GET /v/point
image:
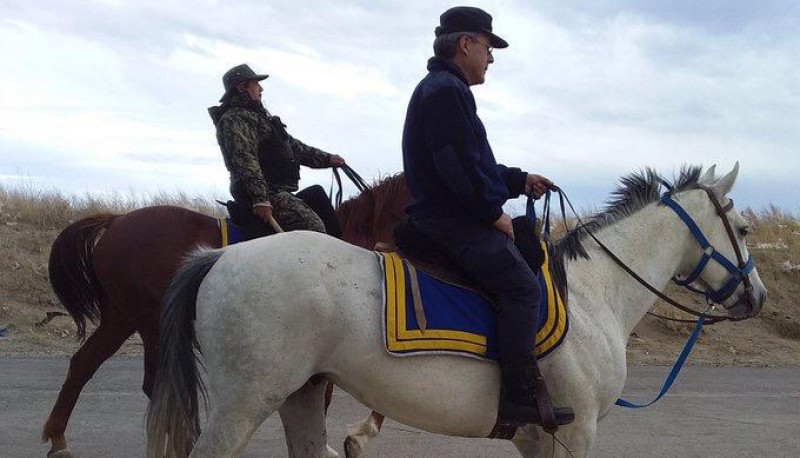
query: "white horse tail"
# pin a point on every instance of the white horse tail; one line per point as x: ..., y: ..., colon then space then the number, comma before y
x: 173, y: 422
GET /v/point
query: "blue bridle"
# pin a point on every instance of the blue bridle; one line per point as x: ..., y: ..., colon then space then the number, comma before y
x: 739, y: 273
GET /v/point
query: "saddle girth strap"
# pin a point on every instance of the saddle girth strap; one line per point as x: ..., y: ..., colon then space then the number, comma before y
x: 419, y: 311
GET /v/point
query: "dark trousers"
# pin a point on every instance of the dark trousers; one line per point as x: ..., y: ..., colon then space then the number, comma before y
x: 490, y: 258
x: 317, y: 199
x: 314, y: 196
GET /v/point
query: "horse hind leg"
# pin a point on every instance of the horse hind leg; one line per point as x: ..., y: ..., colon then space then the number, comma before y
x: 149, y: 332
x: 362, y: 433
x: 232, y: 421
x: 303, y: 417
x: 101, y: 345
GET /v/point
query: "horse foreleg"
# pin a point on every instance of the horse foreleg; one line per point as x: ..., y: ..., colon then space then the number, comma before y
x: 571, y: 441
x: 303, y: 417
x: 358, y: 436
x: 104, y: 342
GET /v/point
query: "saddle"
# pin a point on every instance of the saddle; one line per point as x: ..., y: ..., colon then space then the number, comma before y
x: 250, y: 225
x: 425, y: 254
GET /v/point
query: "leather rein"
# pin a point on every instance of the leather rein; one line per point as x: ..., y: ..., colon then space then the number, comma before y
x: 361, y: 185
x: 739, y: 272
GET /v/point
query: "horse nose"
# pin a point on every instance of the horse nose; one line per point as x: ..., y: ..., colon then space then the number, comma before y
x: 762, y: 298
x: 757, y: 300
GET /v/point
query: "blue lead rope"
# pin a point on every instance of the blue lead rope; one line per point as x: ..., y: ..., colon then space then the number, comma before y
x: 675, y: 369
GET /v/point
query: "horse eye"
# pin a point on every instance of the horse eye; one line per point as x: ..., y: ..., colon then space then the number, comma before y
x: 743, y: 231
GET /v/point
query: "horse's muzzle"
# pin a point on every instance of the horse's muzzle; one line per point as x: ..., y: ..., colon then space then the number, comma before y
x: 748, y: 304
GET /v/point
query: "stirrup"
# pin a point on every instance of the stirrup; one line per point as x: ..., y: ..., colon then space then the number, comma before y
x: 513, y: 414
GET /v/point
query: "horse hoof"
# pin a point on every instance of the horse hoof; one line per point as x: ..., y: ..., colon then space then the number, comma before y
x: 352, y: 449
x: 63, y: 453
x: 331, y: 453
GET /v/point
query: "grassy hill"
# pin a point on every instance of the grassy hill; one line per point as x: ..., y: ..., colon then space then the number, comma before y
x: 30, y: 219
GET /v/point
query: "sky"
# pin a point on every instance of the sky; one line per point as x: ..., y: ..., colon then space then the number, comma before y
x: 111, y: 96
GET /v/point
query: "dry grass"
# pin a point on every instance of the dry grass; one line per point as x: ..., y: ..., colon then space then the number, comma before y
x: 31, y: 218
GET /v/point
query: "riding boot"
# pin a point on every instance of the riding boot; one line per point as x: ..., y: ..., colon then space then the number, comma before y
x: 524, y: 399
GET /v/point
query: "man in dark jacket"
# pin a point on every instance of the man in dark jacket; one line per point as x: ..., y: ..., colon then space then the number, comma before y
x: 459, y: 191
x: 264, y: 162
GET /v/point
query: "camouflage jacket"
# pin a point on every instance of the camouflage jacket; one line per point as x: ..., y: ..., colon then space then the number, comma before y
x: 262, y: 158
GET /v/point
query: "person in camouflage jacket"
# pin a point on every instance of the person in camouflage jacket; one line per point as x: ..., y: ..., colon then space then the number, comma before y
x: 264, y: 160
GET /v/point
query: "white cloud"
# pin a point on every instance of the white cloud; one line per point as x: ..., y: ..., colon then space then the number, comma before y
x: 114, y: 93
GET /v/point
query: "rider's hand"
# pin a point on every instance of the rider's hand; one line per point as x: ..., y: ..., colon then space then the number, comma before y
x: 336, y: 160
x: 537, y: 185
x: 504, y: 225
x: 263, y: 210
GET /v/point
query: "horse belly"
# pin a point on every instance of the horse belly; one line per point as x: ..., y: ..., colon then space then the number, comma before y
x: 443, y: 394
x: 439, y: 394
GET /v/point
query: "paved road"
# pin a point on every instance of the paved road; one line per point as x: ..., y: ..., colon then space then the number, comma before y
x: 711, y: 412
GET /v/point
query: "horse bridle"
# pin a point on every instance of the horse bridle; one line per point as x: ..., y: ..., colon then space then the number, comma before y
x: 739, y: 273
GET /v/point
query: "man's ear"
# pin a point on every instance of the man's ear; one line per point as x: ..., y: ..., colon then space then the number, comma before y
x: 462, y: 44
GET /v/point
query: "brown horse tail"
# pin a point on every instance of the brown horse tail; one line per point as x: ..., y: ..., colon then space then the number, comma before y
x: 71, y: 269
x: 173, y: 422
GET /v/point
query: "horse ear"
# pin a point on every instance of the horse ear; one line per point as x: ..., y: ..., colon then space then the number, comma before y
x: 708, y: 177
x: 725, y: 184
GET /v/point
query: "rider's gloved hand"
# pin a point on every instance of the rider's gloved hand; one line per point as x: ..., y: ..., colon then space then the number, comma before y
x: 536, y: 184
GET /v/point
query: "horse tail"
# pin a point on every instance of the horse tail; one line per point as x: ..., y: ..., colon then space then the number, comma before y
x: 71, y: 269
x: 173, y: 413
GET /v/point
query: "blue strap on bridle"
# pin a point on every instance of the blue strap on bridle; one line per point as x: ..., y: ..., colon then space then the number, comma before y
x: 709, y: 252
x: 673, y: 374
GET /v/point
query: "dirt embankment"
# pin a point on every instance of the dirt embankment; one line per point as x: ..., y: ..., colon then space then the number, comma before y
x: 30, y: 223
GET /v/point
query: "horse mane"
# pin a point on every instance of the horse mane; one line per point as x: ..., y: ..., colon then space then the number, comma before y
x: 362, y: 214
x: 634, y: 192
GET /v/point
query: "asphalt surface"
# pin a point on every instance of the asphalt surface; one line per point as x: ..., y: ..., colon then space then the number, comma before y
x: 710, y: 412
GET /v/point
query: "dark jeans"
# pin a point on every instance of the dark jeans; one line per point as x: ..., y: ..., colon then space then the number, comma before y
x: 490, y: 258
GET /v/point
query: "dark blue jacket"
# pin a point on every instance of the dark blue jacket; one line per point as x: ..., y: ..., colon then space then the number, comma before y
x: 449, y: 166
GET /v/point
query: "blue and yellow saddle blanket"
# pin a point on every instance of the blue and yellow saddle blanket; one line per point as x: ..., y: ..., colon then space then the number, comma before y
x: 457, y: 320
x: 229, y: 233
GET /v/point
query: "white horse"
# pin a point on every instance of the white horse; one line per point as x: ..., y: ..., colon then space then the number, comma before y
x: 272, y: 314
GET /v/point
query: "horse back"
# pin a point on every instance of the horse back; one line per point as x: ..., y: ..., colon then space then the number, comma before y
x: 141, y: 250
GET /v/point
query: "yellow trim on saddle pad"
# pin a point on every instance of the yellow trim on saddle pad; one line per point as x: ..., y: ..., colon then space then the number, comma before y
x: 223, y: 231
x: 554, y: 329
x: 402, y: 340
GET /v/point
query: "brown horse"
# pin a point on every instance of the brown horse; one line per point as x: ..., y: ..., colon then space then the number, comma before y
x: 112, y: 270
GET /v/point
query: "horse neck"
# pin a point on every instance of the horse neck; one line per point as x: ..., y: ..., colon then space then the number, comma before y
x: 652, y: 242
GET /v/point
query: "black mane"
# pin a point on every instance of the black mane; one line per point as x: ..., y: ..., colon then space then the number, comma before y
x: 635, y: 191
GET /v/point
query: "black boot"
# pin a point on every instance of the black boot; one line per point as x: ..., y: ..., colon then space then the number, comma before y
x: 524, y: 399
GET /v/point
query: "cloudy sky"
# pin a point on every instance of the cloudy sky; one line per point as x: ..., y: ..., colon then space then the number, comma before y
x: 111, y: 95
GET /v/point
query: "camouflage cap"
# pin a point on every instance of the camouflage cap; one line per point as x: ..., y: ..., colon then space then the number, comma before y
x: 239, y: 74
